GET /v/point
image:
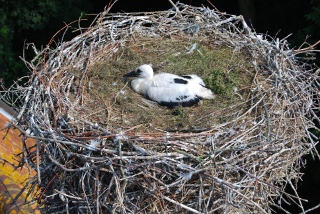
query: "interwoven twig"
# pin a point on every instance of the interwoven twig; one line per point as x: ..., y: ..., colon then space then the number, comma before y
x: 242, y: 165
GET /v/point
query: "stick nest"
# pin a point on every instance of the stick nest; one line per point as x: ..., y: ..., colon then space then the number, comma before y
x: 101, y: 148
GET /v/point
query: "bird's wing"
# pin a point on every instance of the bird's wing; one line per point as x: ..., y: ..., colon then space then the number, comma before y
x: 194, y: 78
x: 172, y: 95
x: 171, y: 90
x: 167, y: 77
x: 170, y: 87
x: 163, y: 79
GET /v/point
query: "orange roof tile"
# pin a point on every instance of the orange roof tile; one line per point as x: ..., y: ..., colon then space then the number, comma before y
x: 11, y: 181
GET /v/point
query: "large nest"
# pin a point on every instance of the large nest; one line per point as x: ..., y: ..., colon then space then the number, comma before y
x: 101, y: 148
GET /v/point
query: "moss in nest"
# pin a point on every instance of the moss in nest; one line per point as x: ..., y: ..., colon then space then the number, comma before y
x: 128, y: 109
x: 223, y: 83
x: 213, y: 64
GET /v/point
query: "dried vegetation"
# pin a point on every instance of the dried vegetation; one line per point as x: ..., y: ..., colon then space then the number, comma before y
x: 103, y: 149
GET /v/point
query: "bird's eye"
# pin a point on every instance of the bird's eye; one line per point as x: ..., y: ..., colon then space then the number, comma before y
x: 138, y: 71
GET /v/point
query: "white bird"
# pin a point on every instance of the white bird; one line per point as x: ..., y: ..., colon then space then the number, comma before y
x: 169, y: 89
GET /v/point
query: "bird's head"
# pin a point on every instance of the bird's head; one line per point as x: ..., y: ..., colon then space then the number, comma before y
x: 143, y: 71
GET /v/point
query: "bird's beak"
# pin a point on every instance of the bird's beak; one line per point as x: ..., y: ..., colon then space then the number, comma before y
x: 131, y: 74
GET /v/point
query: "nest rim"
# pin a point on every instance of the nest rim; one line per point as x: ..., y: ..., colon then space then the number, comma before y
x: 272, y: 129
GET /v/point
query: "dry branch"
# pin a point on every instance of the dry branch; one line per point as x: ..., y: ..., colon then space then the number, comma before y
x: 240, y: 165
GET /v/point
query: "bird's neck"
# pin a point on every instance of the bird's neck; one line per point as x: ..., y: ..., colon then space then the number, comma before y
x: 141, y: 85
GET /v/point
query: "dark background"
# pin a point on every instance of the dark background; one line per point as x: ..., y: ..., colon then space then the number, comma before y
x: 36, y: 21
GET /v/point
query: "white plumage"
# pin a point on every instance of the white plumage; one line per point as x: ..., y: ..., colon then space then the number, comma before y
x: 169, y: 89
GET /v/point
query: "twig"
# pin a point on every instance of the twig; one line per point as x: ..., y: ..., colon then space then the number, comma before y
x: 248, y: 145
x: 181, y: 205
